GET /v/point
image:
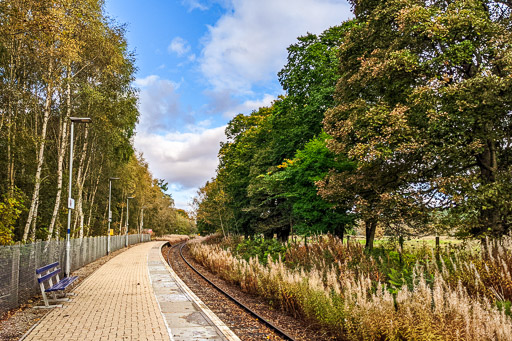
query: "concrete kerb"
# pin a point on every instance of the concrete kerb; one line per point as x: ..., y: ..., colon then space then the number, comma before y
x: 154, y: 294
x: 223, y: 329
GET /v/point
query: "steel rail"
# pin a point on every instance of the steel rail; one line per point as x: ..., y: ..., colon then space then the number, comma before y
x: 269, y: 324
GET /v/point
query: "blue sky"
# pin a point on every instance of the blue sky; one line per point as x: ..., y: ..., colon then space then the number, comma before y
x: 201, y: 62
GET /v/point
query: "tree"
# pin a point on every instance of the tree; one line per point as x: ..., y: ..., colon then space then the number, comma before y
x: 423, y: 108
x: 309, y: 79
x: 212, y: 211
x: 63, y: 58
x: 10, y: 210
x: 258, y: 143
x: 295, y: 181
x: 246, y: 135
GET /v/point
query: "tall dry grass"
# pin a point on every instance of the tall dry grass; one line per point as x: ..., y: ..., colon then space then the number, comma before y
x: 342, y: 290
x: 173, y: 238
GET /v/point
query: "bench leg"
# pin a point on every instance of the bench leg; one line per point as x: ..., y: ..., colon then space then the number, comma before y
x: 48, y: 306
x: 45, y: 299
x: 61, y: 299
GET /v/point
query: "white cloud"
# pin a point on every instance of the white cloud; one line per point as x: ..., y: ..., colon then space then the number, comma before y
x: 185, y: 160
x: 248, y: 106
x: 159, y: 105
x: 142, y: 82
x: 179, y: 45
x: 248, y: 44
x: 204, y: 5
x: 195, y: 4
x: 182, y: 197
x: 225, y: 102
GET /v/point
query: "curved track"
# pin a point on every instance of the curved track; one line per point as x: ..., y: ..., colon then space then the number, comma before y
x: 261, y: 319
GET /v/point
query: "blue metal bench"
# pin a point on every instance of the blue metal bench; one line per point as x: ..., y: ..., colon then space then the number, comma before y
x: 47, y: 274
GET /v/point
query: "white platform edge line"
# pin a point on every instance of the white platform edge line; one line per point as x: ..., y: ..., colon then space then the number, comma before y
x: 228, y: 333
x: 169, y: 331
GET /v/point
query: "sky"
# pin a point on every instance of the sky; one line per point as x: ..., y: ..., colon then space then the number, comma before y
x: 202, y: 62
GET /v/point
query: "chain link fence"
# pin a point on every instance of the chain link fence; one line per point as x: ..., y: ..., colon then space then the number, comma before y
x: 18, y: 263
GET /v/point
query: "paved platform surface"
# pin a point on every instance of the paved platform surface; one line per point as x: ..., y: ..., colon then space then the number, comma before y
x: 134, y: 296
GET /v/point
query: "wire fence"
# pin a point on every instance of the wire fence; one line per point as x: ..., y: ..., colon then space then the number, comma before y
x: 18, y: 263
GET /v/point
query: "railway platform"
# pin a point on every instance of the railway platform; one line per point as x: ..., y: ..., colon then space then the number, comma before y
x: 134, y: 296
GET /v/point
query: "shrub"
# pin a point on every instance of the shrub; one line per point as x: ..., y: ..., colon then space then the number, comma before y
x: 352, y: 295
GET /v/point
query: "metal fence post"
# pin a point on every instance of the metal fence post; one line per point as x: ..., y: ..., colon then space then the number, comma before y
x: 15, y: 275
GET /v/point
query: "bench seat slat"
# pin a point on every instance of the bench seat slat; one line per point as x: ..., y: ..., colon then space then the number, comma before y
x: 48, y: 276
x: 47, y: 267
x: 63, y: 284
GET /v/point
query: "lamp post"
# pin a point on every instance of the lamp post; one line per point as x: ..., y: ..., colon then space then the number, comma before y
x: 141, y: 224
x: 127, y: 215
x: 109, y: 212
x: 71, y: 202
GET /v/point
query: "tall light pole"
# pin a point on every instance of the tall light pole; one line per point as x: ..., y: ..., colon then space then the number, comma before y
x: 109, y: 212
x: 127, y: 215
x: 71, y: 202
x: 141, y: 224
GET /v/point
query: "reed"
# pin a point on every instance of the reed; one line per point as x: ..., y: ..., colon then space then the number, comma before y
x: 345, y: 291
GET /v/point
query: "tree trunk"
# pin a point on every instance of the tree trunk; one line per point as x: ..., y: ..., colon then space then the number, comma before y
x: 221, y: 224
x: 82, y: 174
x: 339, y: 231
x: 32, y: 214
x: 34, y: 223
x: 489, y: 216
x: 60, y: 159
x: 121, y: 219
x: 11, y: 126
x: 91, y: 201
x: 284, y: 232
x: 371, y: 226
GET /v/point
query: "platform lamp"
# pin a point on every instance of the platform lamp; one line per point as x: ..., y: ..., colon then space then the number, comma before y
x: 141, y: 224
x: 127, y: 216
x: 71, y: 201
x: 109, y: 211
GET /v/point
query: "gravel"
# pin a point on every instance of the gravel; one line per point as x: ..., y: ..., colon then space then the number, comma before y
x: 243, y: 324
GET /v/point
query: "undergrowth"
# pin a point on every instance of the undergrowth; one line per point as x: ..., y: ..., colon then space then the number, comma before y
x: 462, y: 292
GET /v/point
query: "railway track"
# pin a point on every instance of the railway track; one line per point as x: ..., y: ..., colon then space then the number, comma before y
x: 252, y: 326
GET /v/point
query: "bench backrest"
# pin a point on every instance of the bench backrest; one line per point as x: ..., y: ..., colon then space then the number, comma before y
x: 47, y: 267
x: 50, y: 274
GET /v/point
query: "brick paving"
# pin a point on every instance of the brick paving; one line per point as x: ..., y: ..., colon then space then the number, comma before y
x: 116, y: 302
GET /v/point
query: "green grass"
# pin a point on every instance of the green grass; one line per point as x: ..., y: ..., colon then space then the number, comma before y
x: 429, y: 241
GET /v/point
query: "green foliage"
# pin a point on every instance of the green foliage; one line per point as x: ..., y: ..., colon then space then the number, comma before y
x: 246, y: 136
x: 257, y: 144
x: 57, y: 60
x: 423, y: 107
x: 295, y: 181
x: 211, y: 209
x: 259, y: 247
x: 505, y: 306
x: 10, y: 209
